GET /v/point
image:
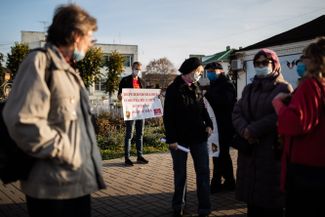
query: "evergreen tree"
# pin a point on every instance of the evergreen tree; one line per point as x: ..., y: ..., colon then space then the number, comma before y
x: 90, y: 66
x: 114, y: 69
x: 18, y: 52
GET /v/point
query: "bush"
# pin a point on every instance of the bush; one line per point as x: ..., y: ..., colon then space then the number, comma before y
x: 152, y: 136
x: 155, y: 122
x: 111, y: 132
x: 108, y: 124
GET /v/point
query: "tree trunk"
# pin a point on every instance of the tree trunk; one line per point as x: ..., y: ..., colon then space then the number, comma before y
x: 110, y: 102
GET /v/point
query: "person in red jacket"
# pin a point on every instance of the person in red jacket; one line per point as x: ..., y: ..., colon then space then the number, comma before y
x: 301, y: 123
x: 133, y: 81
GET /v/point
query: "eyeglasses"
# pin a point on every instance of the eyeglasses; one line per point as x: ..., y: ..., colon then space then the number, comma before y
x: 93, y: 41
x: 263, y: 63
x: 89, y: 37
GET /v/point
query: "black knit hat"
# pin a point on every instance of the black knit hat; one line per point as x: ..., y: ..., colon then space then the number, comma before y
x: 189, y: 65
x: 214, y: 65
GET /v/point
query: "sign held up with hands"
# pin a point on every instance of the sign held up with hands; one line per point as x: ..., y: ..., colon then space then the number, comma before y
x: 141, y: 103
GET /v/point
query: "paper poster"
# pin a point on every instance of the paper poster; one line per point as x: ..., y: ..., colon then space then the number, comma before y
x: 141, y: 103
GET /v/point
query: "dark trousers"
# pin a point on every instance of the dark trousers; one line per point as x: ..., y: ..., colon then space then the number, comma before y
x: 222, y: 167
x: 77, y: 207
x: 255, y: 211
x: 301, y: 202
x: 139, y: 128
x: 200, y: 157
x: 305, y: 191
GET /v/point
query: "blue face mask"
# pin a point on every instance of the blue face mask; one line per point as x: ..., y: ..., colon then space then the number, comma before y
x: 262, y: 72
x: 212, y: 76
x: 301, y: 68
x: 78, y: 55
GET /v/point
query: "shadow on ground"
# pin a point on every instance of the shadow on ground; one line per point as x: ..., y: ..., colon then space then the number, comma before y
x: 223, y: 204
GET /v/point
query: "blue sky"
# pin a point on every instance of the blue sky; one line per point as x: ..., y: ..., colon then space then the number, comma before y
x: 168, y: 28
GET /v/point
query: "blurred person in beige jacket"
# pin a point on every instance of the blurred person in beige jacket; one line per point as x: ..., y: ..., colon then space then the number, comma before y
x: 48, y: 116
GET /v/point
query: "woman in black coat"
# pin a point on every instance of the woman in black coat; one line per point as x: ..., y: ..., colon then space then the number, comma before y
x: 187, y: 123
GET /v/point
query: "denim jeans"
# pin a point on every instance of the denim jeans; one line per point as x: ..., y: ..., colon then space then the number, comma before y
x: 200, y: 157
x: 139, y: 127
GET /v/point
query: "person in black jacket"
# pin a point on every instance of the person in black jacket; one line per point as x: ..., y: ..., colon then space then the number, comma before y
x: 222, y: 96
x: 187, y: 123
x: 133, y: 81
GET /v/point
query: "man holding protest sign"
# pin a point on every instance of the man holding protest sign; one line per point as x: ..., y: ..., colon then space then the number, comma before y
x: 133, y: 81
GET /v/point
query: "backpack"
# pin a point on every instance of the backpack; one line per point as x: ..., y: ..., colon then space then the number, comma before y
x: 14, y: 163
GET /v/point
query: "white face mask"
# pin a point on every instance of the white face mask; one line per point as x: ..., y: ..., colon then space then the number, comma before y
x: 196, y: 77
x: 262, y: 72
x: 137, y: 73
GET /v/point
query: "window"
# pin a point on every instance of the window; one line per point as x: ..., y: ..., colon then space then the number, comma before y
x: 105, y: 58
x: 100, y: 85
x: 128, y: 60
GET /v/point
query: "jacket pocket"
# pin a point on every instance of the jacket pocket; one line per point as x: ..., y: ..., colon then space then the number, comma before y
x: 63, y: 109
x: 66, y: 175
x: 52, y: 172
x: 65, y: 118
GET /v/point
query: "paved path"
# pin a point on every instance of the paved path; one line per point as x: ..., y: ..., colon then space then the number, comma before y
x: 142, y: 190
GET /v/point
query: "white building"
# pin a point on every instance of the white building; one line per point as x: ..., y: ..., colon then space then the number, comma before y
x: 33, y: 39
x: 130, y: 52
x: 97, y: 95
x: 289, y: 47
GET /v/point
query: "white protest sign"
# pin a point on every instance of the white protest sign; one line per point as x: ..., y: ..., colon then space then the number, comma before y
x: 141, y: 103
x: 213, y: 140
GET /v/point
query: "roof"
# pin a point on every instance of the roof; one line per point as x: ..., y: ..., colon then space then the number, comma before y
x: 221, y: 56
x: 304, y: 32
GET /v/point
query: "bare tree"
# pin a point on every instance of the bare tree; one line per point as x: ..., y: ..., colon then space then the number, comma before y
x: 160, y: 72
